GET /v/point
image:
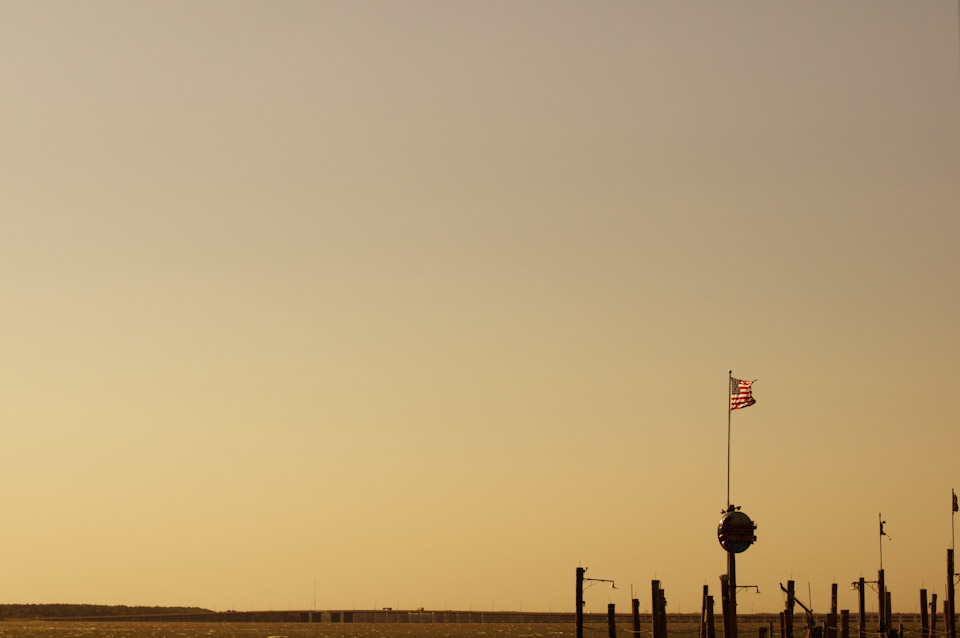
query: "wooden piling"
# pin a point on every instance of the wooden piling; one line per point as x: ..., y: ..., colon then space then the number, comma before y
x: 887, y: 605
x: 862, y: 609
x: 724, y: 603
x: 844, y: 623
x: 933, y: 614
x: 881, y: 603
x: 636, y: 617
x: 612, y: 620
x: 703, y: 612
x: 833, y: 599
x: 732, y: 596
x: 924, y: 615
x: 762, y: 632
x: 655, y: 599
x: 830, y: 626
x: 711, y: 629
x: 783, y: 625
x: 579, y: 614
x: 950, y: 616
x: 788, y: 610
x: 663, y: 613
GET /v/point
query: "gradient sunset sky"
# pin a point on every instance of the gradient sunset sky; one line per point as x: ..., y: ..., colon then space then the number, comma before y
x: 427, y: 303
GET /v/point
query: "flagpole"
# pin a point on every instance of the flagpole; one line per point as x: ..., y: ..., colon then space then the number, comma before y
x: 880, y: 518
x: 729, y: 410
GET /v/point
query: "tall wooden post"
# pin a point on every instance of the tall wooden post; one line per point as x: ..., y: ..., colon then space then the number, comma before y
x: 579, y: 602
x: 862, y: 609
x: 711, y: 629
x: 951, y: 615
x: 612, y: 620
x: 788, y: 611
x: 830, y: 631
x: 844, y: 623
x: 888, y: 606
x: 655, y: 607
x: 881, y: 602
x: 732, y: 596
x: 933, y: 614
x: 663, y: 613
x: 924, y: 615
x: 636, y: 616
x: 703, y: 612
x: 725, y: 603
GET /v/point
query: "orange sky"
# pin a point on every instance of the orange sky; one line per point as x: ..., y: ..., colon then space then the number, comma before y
x: 427, y: 303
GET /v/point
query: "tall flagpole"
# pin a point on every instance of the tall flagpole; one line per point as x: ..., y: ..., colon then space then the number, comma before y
x: 729, y: 410
x: 880, y: 518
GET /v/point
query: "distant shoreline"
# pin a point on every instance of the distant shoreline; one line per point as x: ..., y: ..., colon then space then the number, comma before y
x: 122, y: 613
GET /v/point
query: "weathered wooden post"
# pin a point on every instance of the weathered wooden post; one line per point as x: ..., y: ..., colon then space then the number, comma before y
x: 636, y: 617
x: 951, y: 616
x: 579, y: 602
x: 788, y: 611
x: 933, y: 614
x: 881, y: 603
x: 888, y: 606
x: 703, y: 612
x: 830, y: 629
x: 732, y: 596
x: 844, y: 623
x: 612, y: 620
x: 724, y: 603
x: 762, y: 632
x: 663, y: 613
x: 655, y: 599
x: 711, y: 629
x: 783, y: 625
x: 862, y: 609
x: 924, y: 617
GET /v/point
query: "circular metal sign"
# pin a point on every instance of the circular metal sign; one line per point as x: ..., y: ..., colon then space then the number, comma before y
x: 736, y: 531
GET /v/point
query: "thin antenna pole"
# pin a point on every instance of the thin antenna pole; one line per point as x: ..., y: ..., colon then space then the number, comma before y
x: 953, y: 514
x: 729, y: 390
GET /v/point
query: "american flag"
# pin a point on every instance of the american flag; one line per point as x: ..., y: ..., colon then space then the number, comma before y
x: 740, y: 394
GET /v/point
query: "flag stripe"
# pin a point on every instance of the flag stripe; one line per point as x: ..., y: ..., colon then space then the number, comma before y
x: 741, y: 395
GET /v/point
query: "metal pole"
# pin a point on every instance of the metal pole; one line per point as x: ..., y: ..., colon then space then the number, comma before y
x: 880, y: 518
x: 729, y: 410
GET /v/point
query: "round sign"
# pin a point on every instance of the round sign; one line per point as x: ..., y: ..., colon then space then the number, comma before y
x: 736, y: 531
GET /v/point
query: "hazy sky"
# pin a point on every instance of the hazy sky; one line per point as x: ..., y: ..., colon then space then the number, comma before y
x: 427, y: 303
